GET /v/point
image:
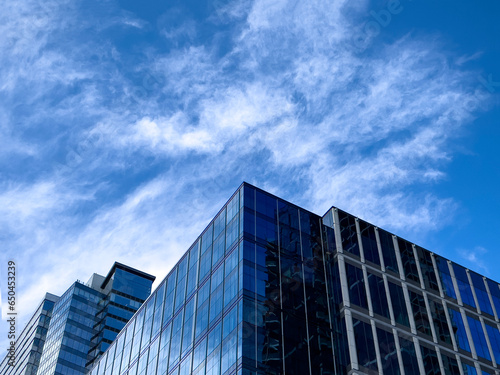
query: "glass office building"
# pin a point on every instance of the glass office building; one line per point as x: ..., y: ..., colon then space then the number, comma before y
x: 31, y: 341
x: 271, y: 288
x: 68, y: 333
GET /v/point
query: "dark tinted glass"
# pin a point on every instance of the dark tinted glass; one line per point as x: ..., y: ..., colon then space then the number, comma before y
x: 439, y: 319
x: 388, y: 352
x: 398, y: 304
x: 410, y: 362
x: 356, y: 285
x: 388, y: 252
x: 369, y: 242
x: 427, y: 268
x: 420, y: 315
x: 408, y: 260
x: 348, y: 233
x: 378, y: 295
x: 450, y: 364
x: 431, y: 362
x: 365, y: 345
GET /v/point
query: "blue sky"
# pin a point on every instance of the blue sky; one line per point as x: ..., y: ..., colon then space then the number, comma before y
x: 126, y: 125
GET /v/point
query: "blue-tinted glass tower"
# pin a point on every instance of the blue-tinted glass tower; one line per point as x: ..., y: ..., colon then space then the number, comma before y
x: 271, y: 288
x: 68, y: 333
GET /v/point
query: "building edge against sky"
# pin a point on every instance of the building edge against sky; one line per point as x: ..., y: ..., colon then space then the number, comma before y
x: 271, y: 288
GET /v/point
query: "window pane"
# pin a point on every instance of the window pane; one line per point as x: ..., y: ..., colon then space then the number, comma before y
x: 388, y: 252
x: 388, y: 352
x: 408, y: 260
x: 431, y: 362
x: 420, y: 315
x: 463, y: 285
x: 348, y: 233
x: 369, y: 242
x: 378, y: 295
x: 356, y: 285
x: 459, y: 329
x: 440, y: 323
x: 481, y: 294
x: 398, y: 304
x: 365, y: 345
x: 478, y: 338
x: 410, y: 362
x: 427, y: 268
x: 494, y: 336
x: 445, y: 277
x: 450, y: 364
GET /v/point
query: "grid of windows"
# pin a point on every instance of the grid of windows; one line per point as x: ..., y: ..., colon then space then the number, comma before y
x: 271, y: 288
x: 31, y: 341
x: 445, y: 316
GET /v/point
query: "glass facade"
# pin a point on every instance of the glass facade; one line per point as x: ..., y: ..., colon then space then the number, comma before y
x: 29, y: 346
x: 68, y: 333
x: 270, y: 288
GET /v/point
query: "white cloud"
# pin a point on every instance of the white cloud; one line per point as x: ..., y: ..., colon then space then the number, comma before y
x: 476, y: 259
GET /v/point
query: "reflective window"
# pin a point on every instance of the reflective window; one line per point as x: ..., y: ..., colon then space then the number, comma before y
x: 365, y: 344
x: 185, y: 367
x: 206, y: 239
x: 408, y: 260
x: 175, y: 341
x: 494, y: 336
x: 369, y: 241
x: 266, y: 229
x: 427, y: 268
x: 193, y: 269
x: 187, y: 333
x: 233, y: 207
x: 398, y: 304
x: 378, y: 295
x: 459, y: 329
x: 409, y: 356
x: 420, y: 315
x: 463, y: 285
x: 220, y: 223
x: 469, y: 368
x: 439, y: 320
x: 388, y: 352
x: 481, y: 293
x: 430, y: 359
x: 205, y: 264
x: 200, y: 353
x: 348, y: 233
x: 478, y: 338
x: 265, y: 204
x: 229, y: 352
x: 356, y: 285
x: 388, y: 252
x: 218, y: 249
x: 495, y: 294
x: 450, y: 364
x: 249, y: 197
x: 445, y: 277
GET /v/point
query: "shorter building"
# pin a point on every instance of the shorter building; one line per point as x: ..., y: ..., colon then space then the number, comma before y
x: 84, y: 321
x: 30, y: 344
